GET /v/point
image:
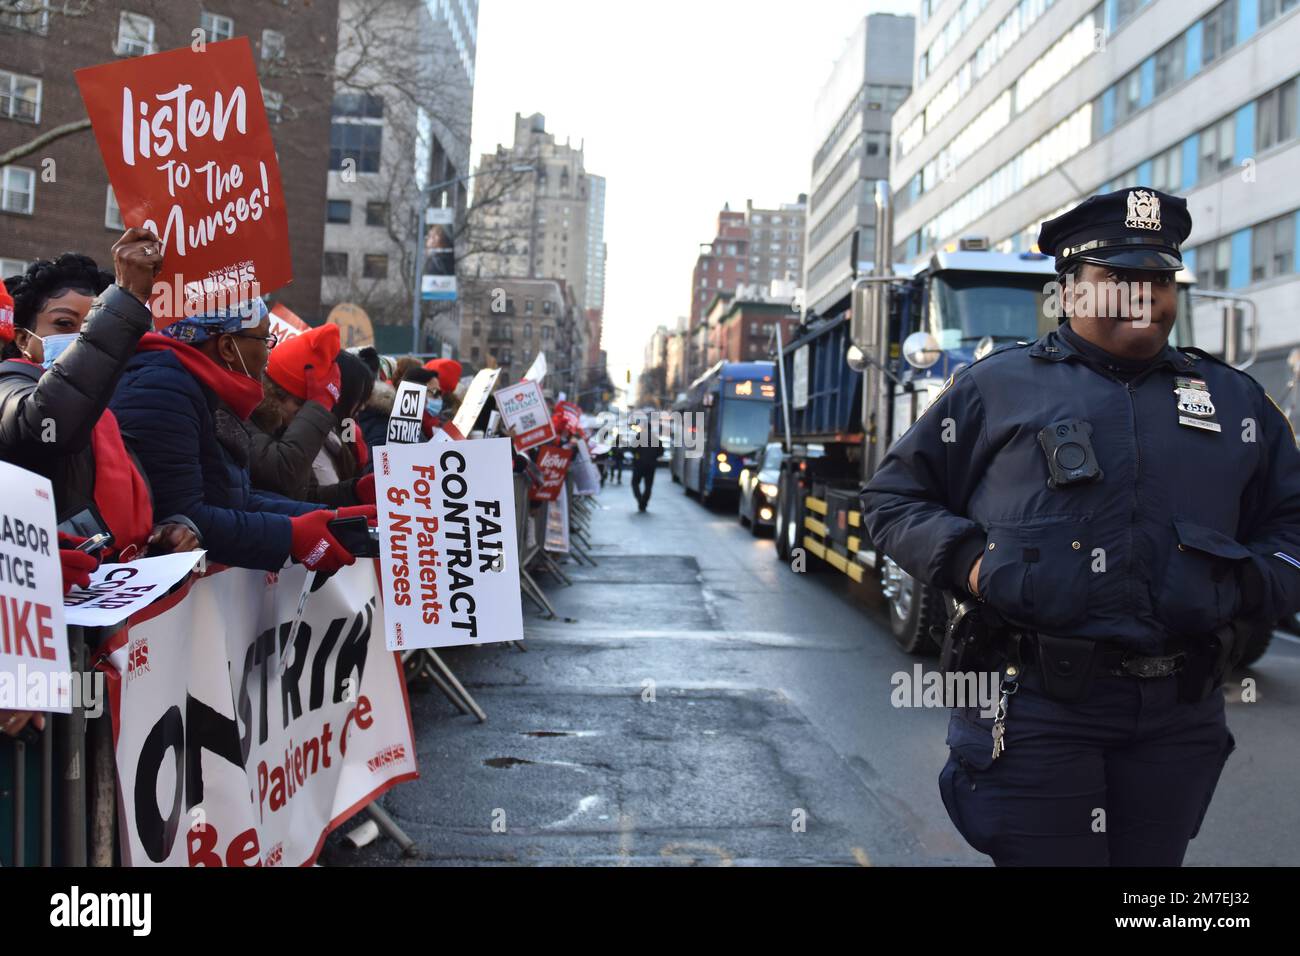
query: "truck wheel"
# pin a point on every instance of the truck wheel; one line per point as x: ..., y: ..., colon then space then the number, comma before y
x: 1256, y: 645
x: 913, y: 608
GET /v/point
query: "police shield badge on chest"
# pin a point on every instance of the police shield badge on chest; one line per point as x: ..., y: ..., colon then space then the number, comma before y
x: 1195, y: 406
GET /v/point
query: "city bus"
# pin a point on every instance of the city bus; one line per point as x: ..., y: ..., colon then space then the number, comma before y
x: 732, y: 403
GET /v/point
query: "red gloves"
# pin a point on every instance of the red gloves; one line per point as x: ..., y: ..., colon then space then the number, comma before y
x: 77, y: 565
x: 314, y: 547
x: 365, y: 489
x: 369, y: 512
x: 322, y: 388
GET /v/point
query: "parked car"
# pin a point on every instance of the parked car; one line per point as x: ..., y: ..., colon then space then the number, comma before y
x: 758, y: 489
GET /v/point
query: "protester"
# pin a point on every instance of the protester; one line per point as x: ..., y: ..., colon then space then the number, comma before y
x: 345, y: 451
x: 296, y: 419
x: 373, y: 417
x: 182, y: 402
x: 74, y: 329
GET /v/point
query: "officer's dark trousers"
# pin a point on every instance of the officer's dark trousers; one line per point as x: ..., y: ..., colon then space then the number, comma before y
x: 643, y: 480
x: 1121, y: 779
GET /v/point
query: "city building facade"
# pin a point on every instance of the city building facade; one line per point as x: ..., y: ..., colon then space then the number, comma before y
x: 1023, y: 109
x: 869, y: 81
x: 399, y: 143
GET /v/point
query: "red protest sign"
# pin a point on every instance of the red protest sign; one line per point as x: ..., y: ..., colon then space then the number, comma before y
x: 188, y: 149
x: 285, y: 323
x: 554, y: 464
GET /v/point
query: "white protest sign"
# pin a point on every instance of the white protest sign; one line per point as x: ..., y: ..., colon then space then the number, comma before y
x: 35, y: 671
x: 447, y: 542
x: 406, y: 421
x: 586, y: 476
x: 221, y: 759
x: 557, y: 522
x: 475, y: 398
x: 117, y: 591
x: 537, y: 371
x: 525, y: 414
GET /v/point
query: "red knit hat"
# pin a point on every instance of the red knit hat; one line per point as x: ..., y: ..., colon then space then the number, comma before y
x: 318, y: 347
x: 448, y: 372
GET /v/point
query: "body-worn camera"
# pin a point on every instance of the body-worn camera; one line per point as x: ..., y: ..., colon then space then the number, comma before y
x: 1070, y: 458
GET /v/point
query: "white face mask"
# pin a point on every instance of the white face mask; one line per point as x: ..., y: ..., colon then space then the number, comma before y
x: 56, y: 345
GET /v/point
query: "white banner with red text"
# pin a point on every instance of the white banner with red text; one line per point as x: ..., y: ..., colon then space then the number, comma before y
x: 224, y: 761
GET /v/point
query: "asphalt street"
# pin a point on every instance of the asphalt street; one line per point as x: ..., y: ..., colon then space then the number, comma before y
x: 702, y: 703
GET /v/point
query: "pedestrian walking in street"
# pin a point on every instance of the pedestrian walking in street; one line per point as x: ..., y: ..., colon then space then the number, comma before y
x: 1116, y: 515
x: 644, y: 461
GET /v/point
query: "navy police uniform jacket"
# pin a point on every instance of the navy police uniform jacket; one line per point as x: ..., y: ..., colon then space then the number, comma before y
x: 1186, y: 529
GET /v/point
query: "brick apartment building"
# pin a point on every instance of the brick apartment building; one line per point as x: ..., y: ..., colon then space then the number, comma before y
x: 739, y: 327
x: 57, y: 198
x: 752, y: 248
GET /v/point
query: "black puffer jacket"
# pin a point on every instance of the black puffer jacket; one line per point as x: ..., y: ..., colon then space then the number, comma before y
x: 46, y: 417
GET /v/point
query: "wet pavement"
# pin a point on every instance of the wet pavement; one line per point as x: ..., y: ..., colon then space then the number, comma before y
x: 700, y: 703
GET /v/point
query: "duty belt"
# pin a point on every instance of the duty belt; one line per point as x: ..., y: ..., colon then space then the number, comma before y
x: 1120, y: 663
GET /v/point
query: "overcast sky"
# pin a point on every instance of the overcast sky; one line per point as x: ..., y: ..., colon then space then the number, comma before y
x: 683, y: 105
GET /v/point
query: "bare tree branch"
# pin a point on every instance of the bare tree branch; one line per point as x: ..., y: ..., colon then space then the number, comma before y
x: 49, y: 136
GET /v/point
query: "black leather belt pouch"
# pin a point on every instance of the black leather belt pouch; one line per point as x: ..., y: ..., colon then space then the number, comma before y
x: 1066, y: 666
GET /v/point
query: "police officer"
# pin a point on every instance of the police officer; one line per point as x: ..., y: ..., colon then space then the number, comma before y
x: 1117, y: 512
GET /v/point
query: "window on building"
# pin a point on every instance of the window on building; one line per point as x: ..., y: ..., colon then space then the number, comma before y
x: 1269, y: 10
x: 547, y: 307
x: 20, y: 97
x: 474, y: 353
x: 1213, y: 262
x: 135, y: 35
x: 1125, y: 9
x: 758, y: 218
x: 12, y: 267
x: 375, y: 266
x: 1167, y: 170
x: 478, y: 328
x: 376, y: 213
x: 547, y: 333
x: 528, y: 306
x: 1219, y: 31
x: 1272, y: 247
x: 30, y: 16
x: 216, y: 27
x: 334, y: 264
x: 1275, y: 115
x: 274, y: 103
x: 359, y: 142
x: 17, y: 189
x: 112, y: 214
x: 1170, y: 65
x: 528, y: 330
x: 338, y: 210
x: 272, y: 45
x: 1128, y: 96
x: 1218, y: 145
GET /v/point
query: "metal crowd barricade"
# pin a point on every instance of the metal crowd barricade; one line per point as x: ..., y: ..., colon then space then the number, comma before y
x: 71, y: 780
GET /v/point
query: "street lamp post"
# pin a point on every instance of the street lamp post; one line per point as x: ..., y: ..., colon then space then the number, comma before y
x: 417, y: 302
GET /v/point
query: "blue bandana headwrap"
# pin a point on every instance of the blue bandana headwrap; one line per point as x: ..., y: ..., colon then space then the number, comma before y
x: 199, y: 328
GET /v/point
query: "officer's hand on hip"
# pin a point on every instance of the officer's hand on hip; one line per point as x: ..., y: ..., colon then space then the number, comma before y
x: 973, y: 579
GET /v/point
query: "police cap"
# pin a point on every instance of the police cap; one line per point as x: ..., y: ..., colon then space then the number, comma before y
x: 1139, y: 228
